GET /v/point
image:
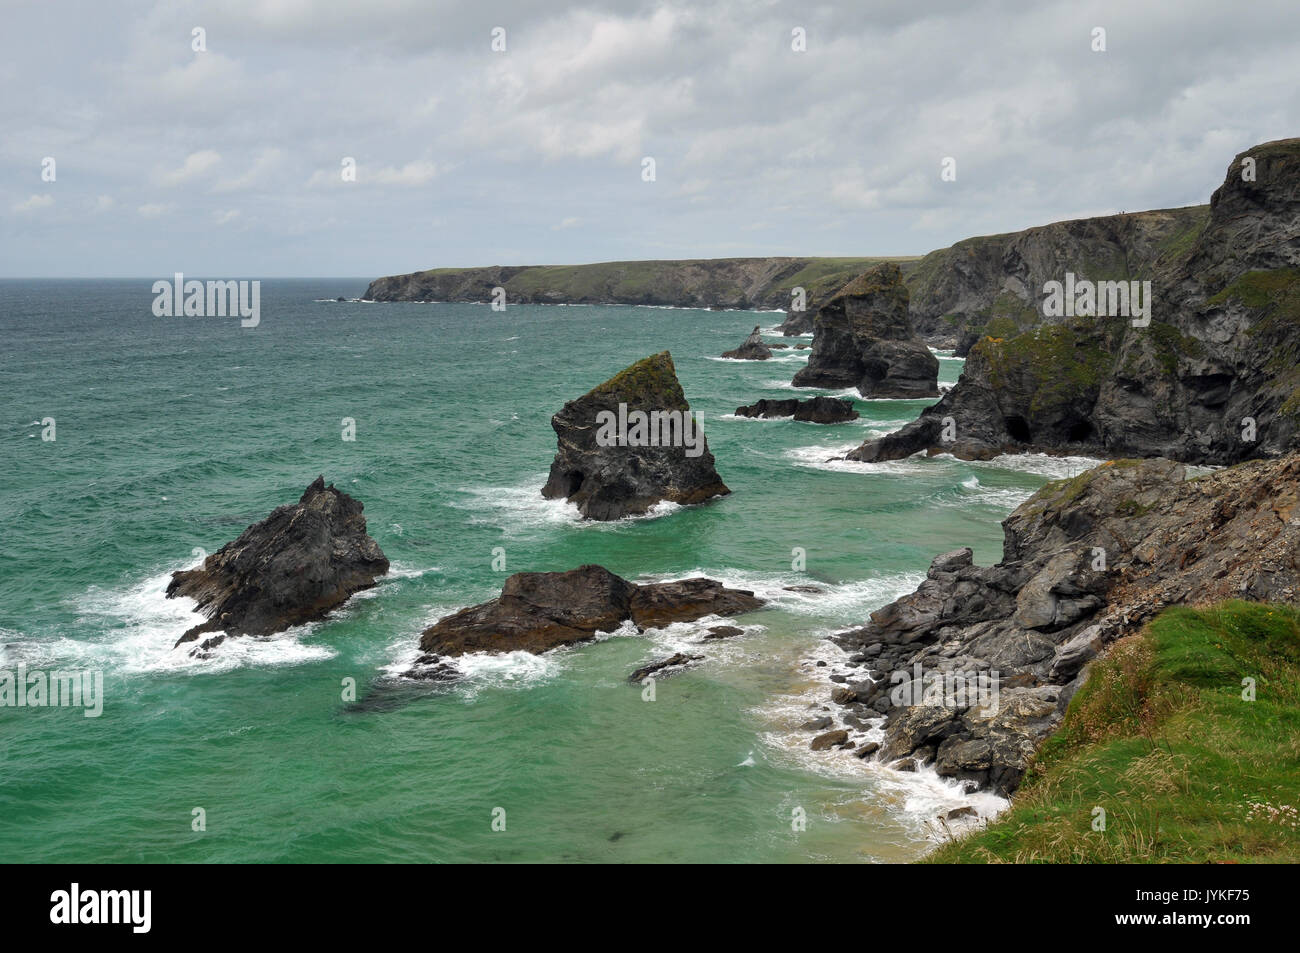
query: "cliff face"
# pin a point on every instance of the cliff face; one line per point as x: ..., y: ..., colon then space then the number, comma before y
x: 1085, y: 561
x: 759, y: 283
x: 862, y: 338
x: 993, y: 284
x: 1214, y: 377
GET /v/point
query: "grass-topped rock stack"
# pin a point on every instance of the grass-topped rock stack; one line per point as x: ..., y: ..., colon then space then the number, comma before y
x: 608, y: 482
x: 862, y: 338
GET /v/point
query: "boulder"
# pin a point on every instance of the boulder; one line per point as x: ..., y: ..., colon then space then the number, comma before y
x: 668, y: 666
x: 632, y: 443
x: 293, y: 567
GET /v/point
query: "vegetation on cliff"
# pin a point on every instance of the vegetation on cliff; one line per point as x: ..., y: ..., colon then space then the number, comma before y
x: 1161, y: 738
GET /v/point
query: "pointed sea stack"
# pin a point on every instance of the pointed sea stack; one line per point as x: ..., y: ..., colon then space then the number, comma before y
x: 753, y: 349
x: 631, y: 443
x: 293, y: 567
x: 862, y: 338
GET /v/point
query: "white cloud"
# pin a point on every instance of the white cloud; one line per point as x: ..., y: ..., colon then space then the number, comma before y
x: 194, y: 166
x: 154, y: 210
x: 225, y: 216
x: 34, y: 202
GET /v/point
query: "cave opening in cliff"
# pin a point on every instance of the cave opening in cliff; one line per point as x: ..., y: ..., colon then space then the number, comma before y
x: 1079, y: 432
x: 1018, y: 428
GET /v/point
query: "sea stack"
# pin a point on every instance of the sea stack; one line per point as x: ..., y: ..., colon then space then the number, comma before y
x: 753, y: 349
x: 863, y: 338
x: 293, y: 567
x: 630, y: 443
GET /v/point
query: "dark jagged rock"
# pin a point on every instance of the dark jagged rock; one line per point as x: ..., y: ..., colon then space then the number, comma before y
x: 539, y: 611
x: 753, y: 349
x: 862, y: 338
x: 610, y: 482
x: 1214, y: 378
x: 717, y: 632
x: 293, y: 567
x: 829, y: 740
x: 1086, y: 561
x: 669, y: 666
x: 817, y: 410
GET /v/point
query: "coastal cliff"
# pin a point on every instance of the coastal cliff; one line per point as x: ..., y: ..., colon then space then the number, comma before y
x: 743, y: 283
x: 1210, y: 373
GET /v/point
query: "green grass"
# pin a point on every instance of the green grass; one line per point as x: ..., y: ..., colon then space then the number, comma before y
x: 1161, y: 738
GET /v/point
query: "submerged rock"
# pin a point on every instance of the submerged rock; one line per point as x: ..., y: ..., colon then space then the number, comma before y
x: 293, y: 567
x: 539, y: 611
x: 631, y: 443
x: 753, y: 349
x: 1086, y: 561
x: 817, y: 410
x: 669, y: 666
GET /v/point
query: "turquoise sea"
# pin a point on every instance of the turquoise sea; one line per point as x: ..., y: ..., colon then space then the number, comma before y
x: 173, y: 434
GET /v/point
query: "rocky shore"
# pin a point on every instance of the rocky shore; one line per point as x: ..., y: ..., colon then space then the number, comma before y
x: 1086, y: 561
x: 817, y: 410
x: 293, y: 567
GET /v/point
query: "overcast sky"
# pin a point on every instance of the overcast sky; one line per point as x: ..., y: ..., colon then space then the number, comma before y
x: 228, y: 162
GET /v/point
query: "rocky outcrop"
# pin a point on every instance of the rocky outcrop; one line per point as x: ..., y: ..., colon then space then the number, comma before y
x: 662, y: 669
x: 745, y: 283
x: 1085, y: 561
x: 862, y: 338
x: 540, y: 611
x: 291, y: 568
x: 1214, y: 377
x: 752, y: 349
x: 817, y: 410
x: 631, y: 443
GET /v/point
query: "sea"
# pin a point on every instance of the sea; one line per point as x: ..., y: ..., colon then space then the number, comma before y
x: 132, y: 445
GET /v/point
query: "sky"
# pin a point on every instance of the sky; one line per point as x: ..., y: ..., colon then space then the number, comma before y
x: 229, y: 160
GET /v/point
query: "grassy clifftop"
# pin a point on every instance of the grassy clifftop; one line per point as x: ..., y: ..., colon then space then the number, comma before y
x: 1161, y: 739
x: 699, y: 283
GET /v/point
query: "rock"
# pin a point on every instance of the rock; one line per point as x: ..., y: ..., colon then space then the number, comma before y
x: 811, y: 589
x: 862, y: 338
x: 717, y: 632
x: 539, y: 611
x: 753, y: 349
x: 904, y: 764
x: 609, y: 480
x: 867, y: 748
x: 818, y: 410
x: 1037, y: 617
x: 829, y: 739
x: 960, y: 812
x: 662, y: 603
x: 293, y: 567
x: 668, y: 666
x: 818, y: 724
x: 844, y: 696
x: 1224, y: 319
x: 340, y: 298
